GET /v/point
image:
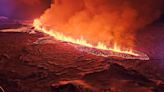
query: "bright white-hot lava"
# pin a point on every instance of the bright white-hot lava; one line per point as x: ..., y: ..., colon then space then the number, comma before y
x: 100, y: 45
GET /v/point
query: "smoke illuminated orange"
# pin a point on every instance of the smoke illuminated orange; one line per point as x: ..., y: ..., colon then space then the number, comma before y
x: 100, y: 45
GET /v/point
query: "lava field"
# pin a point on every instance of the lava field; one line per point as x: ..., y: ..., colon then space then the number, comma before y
x: 59, y: 67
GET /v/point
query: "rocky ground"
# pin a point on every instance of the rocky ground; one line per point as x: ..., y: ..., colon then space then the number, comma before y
x: 59, y: 67
x: 6, y: 23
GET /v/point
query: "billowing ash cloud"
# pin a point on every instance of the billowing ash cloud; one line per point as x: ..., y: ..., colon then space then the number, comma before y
x: 108, y: 21
x: 23, y: 9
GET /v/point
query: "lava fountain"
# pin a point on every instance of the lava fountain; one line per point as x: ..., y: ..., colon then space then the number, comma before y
x: 99, y: 49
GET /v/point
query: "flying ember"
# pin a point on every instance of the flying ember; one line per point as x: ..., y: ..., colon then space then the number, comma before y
x: 83, y: 42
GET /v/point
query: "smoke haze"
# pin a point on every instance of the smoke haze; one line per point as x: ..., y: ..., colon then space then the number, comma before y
x: 108, y: 21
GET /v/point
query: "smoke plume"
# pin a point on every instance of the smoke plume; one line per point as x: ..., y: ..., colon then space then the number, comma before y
x: 108, y: 21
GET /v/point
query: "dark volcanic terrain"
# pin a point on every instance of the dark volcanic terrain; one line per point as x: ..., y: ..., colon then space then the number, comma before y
x: 59, y: 67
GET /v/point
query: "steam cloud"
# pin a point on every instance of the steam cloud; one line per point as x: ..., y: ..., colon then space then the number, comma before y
x: 108, y: 21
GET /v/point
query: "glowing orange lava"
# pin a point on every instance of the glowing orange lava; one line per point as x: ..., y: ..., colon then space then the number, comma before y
x: 100, y: 45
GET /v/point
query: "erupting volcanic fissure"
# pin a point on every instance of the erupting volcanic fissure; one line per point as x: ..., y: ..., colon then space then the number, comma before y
x: 100, y: 45
x: 101, y: 24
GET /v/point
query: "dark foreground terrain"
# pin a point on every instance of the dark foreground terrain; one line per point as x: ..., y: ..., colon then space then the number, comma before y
x: 59, y: 67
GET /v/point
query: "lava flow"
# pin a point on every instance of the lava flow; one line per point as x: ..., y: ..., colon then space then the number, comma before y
x: 100, y: 45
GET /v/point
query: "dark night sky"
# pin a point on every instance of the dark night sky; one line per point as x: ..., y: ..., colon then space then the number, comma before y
x: 20, y: 9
